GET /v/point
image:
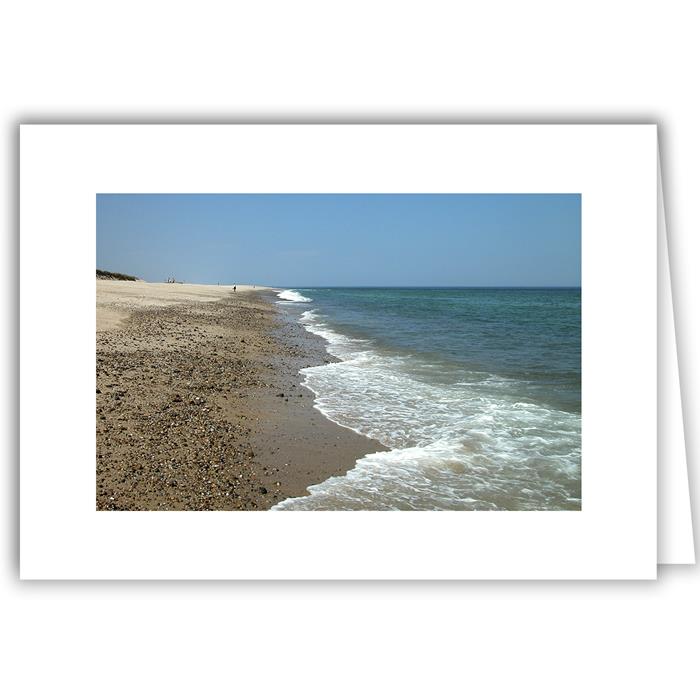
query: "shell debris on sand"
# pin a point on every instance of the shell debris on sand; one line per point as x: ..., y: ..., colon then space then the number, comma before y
x: 188, y: 414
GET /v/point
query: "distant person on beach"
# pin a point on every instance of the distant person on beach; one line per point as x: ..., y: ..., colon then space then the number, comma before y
x: 234, y: 287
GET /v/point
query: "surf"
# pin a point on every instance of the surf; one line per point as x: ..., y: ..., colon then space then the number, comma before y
x: 455, y: 446
x: 294, y: 296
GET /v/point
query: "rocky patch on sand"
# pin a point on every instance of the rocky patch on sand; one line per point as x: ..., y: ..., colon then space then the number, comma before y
x: 200, y: 407
x: 166, y: 438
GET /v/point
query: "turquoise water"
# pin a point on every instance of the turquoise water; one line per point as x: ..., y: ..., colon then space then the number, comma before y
x: 477, y: 393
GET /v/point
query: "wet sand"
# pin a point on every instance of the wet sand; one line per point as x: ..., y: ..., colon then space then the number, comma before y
x: 199, y: 403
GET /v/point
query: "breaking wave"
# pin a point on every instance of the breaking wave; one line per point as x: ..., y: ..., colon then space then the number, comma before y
x: 457, y: 445
x: 292, y: 295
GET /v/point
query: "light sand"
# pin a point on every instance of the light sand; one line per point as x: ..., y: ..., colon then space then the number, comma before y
x: 116, y: 299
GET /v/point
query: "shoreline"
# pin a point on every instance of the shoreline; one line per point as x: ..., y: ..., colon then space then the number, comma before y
x: 199, y: 402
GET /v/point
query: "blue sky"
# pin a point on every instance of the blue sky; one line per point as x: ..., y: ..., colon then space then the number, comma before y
x: 313, y: 240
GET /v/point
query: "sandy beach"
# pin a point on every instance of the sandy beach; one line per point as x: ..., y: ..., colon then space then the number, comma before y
x: 199, y: 403
x: 116, y: 299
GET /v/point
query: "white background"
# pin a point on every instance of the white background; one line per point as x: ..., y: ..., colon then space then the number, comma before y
x: 506, y: 61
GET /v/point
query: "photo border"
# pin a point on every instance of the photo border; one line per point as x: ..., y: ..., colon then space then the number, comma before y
x: 62, y: 168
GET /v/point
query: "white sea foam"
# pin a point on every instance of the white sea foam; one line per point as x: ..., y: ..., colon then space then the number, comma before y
x: 292, y: 295
x: 452, y: 446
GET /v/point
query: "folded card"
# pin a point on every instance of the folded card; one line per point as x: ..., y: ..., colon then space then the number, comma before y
x: 346, y: 352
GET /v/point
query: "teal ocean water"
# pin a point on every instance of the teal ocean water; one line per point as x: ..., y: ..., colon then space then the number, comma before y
x: 476, y: 391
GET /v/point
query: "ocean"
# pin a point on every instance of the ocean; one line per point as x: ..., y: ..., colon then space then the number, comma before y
x: 475, y: 391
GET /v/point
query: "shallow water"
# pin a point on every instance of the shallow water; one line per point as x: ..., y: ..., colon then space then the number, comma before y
x: 477, y: 393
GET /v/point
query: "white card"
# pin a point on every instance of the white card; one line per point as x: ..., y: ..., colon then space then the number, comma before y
x: 614, y: 533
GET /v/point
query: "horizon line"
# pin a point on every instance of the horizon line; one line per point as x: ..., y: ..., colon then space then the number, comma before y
x: 427, y: 286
